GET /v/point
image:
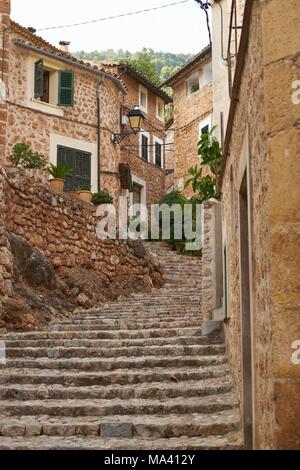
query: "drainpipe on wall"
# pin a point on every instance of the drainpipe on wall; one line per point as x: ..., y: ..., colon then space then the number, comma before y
x: 98, y: 96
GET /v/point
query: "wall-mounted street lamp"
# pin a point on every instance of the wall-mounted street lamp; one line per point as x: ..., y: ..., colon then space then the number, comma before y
x: 136, y: 120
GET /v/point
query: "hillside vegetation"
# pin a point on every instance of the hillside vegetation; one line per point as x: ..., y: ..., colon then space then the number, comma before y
x: 157, y: 66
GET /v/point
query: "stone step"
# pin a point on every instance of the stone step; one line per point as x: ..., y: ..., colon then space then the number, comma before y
x: 150, y: 311
x: 106, y: 316
x: 154, y: 311
x: 207, y: 404
x: 131, y: 325
x: 230, y: 441
x: 158, y: 302
x: 132, y: 374
x: 158, y: 426
x: 95, y: 364
x: 118, y: 334
x: 153, y: 391
x: 78, y: 378
x: 118, y: 343
x: 134, y: 351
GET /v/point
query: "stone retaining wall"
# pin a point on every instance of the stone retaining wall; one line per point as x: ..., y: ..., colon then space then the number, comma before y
x: 64, y: 229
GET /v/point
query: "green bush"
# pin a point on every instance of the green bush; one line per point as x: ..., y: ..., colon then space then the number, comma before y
x: 171, y: 199
x: 59, y: 171
x: 23, y: 156
x: 102, y: 197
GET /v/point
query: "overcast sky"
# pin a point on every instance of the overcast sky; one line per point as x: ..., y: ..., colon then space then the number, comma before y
x: 180, y: 28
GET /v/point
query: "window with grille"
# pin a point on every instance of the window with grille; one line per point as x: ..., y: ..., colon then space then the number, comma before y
x: 145, y: 147
x: 80, y: 162
x: 158, y: 154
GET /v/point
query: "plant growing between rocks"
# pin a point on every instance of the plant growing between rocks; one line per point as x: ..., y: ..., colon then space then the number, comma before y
x: 24, y: 157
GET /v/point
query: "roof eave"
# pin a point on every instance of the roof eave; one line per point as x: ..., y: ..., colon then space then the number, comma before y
x: 198, y: 58
x: 67, y: 61
x: 147, y: 83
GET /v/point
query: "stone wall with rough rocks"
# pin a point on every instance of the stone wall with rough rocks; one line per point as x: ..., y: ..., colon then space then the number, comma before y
x: 61, y: 230
x: 5, y: 8
x: 6, y: 258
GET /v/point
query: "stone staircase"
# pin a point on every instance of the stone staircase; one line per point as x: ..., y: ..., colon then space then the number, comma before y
x: 136, y: 374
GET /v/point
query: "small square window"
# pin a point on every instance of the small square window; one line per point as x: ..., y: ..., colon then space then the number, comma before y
x: 193, y: 84
x: 143, y: 99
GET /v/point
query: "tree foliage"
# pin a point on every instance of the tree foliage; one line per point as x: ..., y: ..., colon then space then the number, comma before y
x: 163, y: 64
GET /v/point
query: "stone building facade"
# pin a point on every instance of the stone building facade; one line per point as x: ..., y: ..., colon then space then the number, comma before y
x: 45, y: 125
x: 145, y: 152
x: 260, y: 225
x: 61, y: 107
x: 193, y: 105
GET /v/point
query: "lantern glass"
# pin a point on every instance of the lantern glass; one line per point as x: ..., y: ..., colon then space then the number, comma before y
x: 136, y: 119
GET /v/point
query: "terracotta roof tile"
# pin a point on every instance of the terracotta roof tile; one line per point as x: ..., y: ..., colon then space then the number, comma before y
x: 31, y: 39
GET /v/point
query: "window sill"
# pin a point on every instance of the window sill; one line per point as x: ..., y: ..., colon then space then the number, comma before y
x: 144, y: 110
x: 46, y: 107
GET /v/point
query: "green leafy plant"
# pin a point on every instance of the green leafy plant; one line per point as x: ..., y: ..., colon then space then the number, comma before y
x: 102, y: 197
x: 85, y: 187
x: 207, y: 187
x: 59, y: 171
x: 23, y: 156
x: 177, y: 198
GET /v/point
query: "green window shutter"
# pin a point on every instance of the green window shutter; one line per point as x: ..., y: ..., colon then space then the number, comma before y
x: 66, y: 88
x: 39, y: 79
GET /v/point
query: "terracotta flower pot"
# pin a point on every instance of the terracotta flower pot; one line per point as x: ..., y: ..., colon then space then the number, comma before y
x: 57, y: 185
x: 73, y: 193
x: 85, y: 196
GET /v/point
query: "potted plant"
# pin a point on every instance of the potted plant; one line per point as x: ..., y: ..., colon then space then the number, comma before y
x: 85, y: 193
x: 102, y: 197
x: 58, y: 173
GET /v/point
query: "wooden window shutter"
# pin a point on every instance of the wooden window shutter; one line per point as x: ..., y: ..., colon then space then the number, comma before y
x: 39, y: 79
x: 145, y: 148
x: 66, y: 88
x: 158, y: 154
x: 125, y: 177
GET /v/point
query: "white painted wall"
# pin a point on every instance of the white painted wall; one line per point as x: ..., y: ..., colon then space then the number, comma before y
x: 221, y: 100
x: 220, y: 71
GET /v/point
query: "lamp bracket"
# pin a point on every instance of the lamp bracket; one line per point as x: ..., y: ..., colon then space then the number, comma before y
x: 118, y: 138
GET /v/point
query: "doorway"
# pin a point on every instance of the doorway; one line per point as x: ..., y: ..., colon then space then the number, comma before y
x: 246, y: 313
